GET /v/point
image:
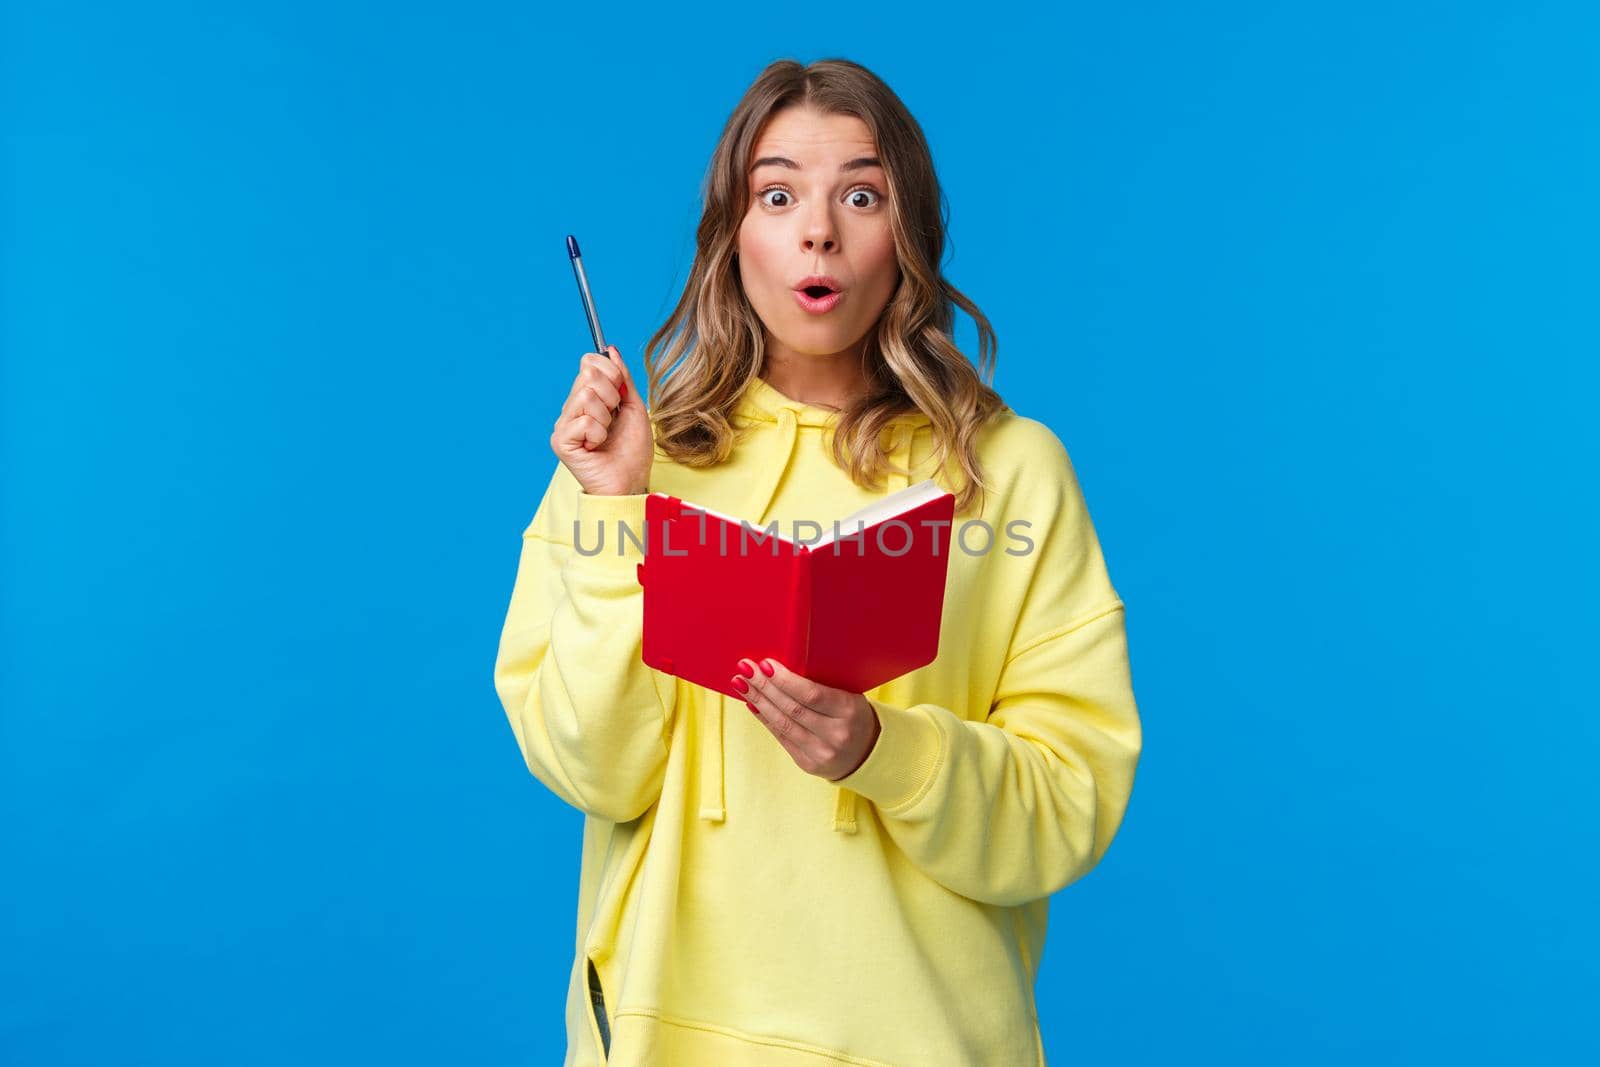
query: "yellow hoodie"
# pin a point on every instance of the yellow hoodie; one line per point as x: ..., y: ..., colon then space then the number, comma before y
x: 736, y: 911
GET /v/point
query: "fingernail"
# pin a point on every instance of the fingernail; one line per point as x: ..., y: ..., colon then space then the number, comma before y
x: 740, y: 684
x: 748, y: 671
x: 752, y: 708
x: 766, y: 667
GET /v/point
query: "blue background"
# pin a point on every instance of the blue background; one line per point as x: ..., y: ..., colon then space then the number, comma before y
x: 1308, y: 291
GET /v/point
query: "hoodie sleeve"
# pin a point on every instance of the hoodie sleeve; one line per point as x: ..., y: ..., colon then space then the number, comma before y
x: 591, y: 718
x: 1022, y: 798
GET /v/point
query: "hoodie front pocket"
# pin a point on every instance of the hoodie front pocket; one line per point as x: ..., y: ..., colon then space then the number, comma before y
x: 597, y: 1009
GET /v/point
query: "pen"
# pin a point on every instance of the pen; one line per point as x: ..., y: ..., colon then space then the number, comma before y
x: 588, y: 297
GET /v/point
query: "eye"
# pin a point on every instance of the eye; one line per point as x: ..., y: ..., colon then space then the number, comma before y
x: 851, y: 197
x: 863, y: 191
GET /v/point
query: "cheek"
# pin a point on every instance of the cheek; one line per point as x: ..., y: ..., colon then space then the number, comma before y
x: 880, y: 265
x: 758, y: 254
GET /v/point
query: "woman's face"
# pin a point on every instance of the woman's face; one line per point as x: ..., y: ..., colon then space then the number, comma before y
x: 819, y: 205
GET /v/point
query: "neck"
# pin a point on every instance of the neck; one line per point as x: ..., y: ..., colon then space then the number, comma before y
x: 830, y: 381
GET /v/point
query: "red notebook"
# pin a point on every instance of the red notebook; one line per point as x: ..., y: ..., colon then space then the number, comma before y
x: 852, y: 610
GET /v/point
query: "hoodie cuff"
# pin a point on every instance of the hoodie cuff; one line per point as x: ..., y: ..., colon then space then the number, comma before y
x: 903, y: 761
x: 620, y: 520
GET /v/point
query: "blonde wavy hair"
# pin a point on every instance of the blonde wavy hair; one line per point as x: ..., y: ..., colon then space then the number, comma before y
x: 910, y: 357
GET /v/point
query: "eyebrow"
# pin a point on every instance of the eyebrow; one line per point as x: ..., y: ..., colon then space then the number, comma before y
x: 859, y: 163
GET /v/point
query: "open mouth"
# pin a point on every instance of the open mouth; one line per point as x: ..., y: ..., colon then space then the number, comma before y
x: 818, y: 299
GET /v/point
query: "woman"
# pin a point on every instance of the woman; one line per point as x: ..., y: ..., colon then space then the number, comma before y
x: 840, y: 877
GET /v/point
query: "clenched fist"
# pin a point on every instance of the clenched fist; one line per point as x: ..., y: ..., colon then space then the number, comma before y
x: 603, y: 433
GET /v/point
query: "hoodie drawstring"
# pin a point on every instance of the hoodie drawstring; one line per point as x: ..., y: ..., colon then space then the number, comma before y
x: 713, y: 779
x: 713, y: 807
x: 844, y: 801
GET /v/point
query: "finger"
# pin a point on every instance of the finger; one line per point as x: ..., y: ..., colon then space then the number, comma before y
x: 625, y: 385
x: 804, y: 691
x: 589, y: 402
x: 584, y: 403
x: 794, y: 738
x: 599, y: 385
x: 789, y: 741
x: 782, y: 710
x: 580, y: 432
x: 603, y: 367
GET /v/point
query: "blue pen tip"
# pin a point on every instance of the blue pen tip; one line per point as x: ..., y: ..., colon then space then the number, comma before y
x: 572, y: 247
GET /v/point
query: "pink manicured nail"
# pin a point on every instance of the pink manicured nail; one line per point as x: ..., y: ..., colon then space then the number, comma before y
x: 740, y: 684
x: 748, y: 671
x: 753, y: 710
x: 766, y: 667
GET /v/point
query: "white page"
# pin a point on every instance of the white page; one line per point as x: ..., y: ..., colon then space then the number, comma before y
x: 907, y: 499
x: 898, y: 503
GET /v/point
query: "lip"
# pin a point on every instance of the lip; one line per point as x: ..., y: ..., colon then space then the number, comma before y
x: 818, y: 306
x: 819, y: 279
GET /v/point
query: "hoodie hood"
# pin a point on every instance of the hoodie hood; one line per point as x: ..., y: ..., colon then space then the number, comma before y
x: 776, y: 424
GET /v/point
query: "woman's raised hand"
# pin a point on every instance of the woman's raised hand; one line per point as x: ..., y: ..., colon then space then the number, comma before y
x: 603, y: 433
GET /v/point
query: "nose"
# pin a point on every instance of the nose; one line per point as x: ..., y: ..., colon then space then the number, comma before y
x: 818, y: 234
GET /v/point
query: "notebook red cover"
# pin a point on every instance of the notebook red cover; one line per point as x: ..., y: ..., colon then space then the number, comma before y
x: 851, y: 613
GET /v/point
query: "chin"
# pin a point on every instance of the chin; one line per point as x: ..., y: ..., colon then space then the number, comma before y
x: 819, y: 351
x: 818, y: 342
